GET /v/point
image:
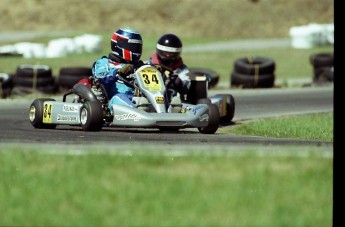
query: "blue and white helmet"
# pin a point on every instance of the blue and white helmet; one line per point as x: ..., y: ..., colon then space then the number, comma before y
x: 126, y: 43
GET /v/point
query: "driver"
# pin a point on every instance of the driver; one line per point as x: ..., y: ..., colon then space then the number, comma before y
x: 126, y: 49
x: 168, y: 57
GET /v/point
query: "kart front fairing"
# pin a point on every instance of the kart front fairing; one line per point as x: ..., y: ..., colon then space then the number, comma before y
x: 193, y: 116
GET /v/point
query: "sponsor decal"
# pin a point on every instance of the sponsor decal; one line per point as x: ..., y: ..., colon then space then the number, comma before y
x: 68, y: 118
x: 123, y: 117
x: 148, y: 70
x: 160, y: 100
x: 70, y: 108
x: 204, y: 117
x: 197, y: 108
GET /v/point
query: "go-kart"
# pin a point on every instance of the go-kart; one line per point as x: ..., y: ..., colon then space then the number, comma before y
x: 89, y: 107
x: 198, y: 93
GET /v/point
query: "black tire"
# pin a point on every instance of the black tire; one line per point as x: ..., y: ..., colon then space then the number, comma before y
x: 198, y: 90
x: 254, y: 66
x: 91, y: 116
x: 67, y: 81
x: 69, y: 76
x: 76, y: 71
x: 213, y: 118
x: 204, y: 101
x: 323, y: 74
x: 212, y: 76
x: 6, y: 85
x: 49, y: 89
x: 29, y: 71
x: 36, y: 111
x: 229, y: 109
x: 29, y: 82
x: 251, y: 81
x: 322, y: 60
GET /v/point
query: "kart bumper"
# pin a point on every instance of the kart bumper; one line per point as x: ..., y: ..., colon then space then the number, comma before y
x: 192, y: 117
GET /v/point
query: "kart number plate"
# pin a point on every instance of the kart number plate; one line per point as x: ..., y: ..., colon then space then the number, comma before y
x: 150, y: 80
x: 47, y: 113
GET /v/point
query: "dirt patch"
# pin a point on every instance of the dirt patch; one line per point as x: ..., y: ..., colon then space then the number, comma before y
x: 223, y: 19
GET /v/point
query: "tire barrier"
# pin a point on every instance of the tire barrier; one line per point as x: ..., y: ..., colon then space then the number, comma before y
x: 35, y: 77
x: 323, y: 67
x: 6, y: 85
x: 212, y: 76
x: 255, y: 72
x: 69, y: 76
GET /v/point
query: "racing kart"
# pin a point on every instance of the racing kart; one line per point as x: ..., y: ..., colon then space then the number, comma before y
x: 198, y: 93
x: 89, y: 108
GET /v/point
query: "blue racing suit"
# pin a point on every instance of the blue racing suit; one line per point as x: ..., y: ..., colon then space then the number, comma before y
x: 105, y: 70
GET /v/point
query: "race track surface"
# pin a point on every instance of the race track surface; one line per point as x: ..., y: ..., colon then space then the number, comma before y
x: 15, y: 126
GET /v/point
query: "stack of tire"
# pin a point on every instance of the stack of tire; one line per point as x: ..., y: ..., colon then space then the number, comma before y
x: 323, y: 67
x: 69, y: 76
x: 253, y: 72
x: 6, y: 85
x: 29, y: 78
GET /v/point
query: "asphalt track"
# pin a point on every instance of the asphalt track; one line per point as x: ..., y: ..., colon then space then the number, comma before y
x: 15, y: 126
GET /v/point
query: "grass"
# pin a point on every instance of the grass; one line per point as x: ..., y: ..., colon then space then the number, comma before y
x: 126, y: 186
x: 309, y: 126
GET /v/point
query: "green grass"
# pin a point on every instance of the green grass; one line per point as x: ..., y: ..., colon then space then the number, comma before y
x: 309, y: 126
x: 122, y: 185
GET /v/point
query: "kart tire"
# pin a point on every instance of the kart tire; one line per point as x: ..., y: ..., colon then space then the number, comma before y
x: 91, y: 116
x: 212, y: 76
x: 204, y: 101
x: 254, y: 66
x: 36, y: 112
x: 251, y: 81
x: 213, y: 118
x: 229, y: 109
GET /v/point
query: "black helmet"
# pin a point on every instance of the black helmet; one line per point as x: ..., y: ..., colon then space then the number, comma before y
x: 169, y: 48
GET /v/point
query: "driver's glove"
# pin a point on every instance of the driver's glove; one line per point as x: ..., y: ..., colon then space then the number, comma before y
x: 159, y: 68
x: 126, y: 70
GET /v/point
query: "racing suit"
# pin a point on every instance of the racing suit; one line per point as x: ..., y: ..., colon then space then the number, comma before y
x: 105, y: 70
x: 182, y: 83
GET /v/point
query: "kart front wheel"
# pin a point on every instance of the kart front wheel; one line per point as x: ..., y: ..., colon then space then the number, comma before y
x: 91, y: 116
x: 213, y: 117
x: 37, y: 111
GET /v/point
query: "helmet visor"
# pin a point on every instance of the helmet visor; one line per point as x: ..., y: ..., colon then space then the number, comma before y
x: 168, y: 56
x: 133, y: 45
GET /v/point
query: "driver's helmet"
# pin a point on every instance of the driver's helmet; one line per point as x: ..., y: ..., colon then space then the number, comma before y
x: 168, y: 49
x: 126, y: 43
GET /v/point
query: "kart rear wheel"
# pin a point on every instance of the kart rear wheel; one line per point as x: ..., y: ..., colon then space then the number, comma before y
x: 213, y: 117
x: 36, y: 112
x: 91, y: 116
x: 229, y: 109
